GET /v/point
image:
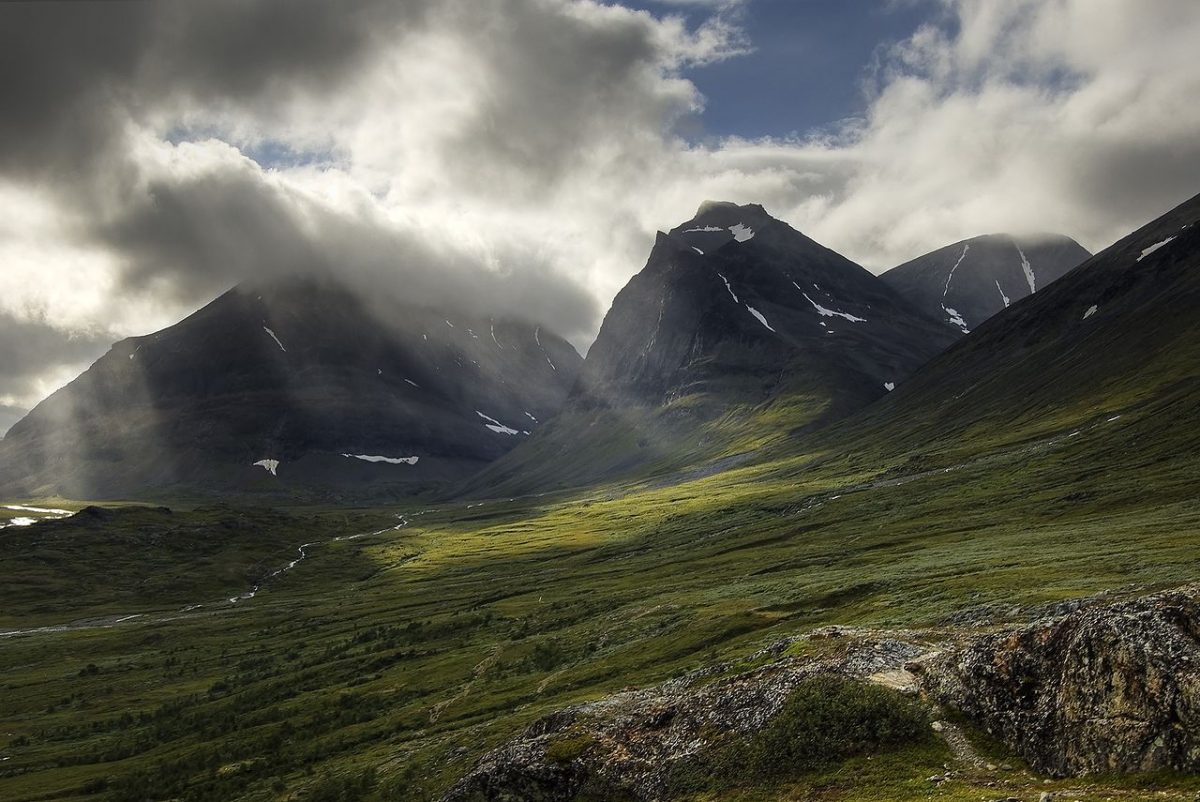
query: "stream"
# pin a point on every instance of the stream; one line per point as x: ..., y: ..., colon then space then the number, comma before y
x: 110, y: 621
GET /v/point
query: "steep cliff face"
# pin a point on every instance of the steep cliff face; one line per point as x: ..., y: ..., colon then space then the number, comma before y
x: 1110, y: 689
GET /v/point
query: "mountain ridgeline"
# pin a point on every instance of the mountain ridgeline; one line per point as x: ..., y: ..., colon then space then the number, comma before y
x: 968, y: 282
x: 738, y: 333
x: 738, y: 330
x: 295, y: 386
x: 733, y: 302
x: 1113, y: 335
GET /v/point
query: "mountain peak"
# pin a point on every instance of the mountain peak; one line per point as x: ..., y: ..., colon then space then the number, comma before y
x: 725, y: 214
x: 728, y: 206
x: 968, y: 282
x: 719, y: 222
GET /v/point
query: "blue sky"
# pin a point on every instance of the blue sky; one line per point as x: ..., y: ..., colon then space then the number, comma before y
x: 809, y: 60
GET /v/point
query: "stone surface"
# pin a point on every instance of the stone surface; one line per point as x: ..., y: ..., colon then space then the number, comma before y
x: 1107, y: 688
x: 1104, y: 688
x: 628, y: 742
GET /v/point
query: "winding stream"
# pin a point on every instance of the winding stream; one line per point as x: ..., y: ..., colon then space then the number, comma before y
x: 109, y: 621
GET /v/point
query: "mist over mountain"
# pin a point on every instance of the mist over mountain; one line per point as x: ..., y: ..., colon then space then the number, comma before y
x: 290, y: 387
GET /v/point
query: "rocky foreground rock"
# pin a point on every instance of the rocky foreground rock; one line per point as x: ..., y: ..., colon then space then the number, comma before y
x: 1106, y: 689
x: 629, y: 743
x: 1109, y: 687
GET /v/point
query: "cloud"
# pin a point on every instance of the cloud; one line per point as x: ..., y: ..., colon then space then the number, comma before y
x: 520, y: 154
x: 35, y: 358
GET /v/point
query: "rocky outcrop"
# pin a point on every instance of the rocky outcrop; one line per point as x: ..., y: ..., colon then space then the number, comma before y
x: 627, y: 745
x: 1101, y: 687
x: 1107, y: 689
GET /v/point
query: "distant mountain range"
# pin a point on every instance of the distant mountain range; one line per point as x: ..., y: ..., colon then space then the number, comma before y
x: 739, y: 331
x: 293, y: 385
x: 968, y: 282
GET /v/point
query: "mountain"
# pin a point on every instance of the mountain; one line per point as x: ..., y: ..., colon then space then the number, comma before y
x: 969, y: 281
x: 1114, y: 338
x: 735, y: 318
x: 293, y: 385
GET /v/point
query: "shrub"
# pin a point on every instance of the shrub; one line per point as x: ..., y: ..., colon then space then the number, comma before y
x: 826, y: 720
x: 567, y: 749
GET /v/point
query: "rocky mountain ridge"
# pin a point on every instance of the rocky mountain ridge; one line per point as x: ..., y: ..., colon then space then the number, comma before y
x: 735, y: 313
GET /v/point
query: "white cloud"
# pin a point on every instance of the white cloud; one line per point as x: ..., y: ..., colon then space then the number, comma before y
x: 539, y: 143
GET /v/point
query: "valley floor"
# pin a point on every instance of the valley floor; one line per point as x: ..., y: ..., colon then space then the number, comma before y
x: 400, y: 649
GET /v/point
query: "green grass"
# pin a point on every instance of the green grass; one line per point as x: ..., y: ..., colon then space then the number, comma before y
x: 381, y: 667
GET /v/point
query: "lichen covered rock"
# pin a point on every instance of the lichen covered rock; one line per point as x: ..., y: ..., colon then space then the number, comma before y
x: 627, y: 745
x: 1107, y: 689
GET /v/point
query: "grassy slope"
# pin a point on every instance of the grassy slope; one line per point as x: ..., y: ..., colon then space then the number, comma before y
x: 411, y: 651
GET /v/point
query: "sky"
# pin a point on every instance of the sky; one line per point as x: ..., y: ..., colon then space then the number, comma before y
x: 517, y: 156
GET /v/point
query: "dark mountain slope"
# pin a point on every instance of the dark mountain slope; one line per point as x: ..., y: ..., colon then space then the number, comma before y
x: 969, y: 281
x: 738, y: 328
x: 1114, y: 335
x: 292, y: 376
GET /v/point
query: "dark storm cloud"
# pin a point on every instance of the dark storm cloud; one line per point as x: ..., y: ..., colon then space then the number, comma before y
x: 75, y: 78
x: 32, y: 349
x: 71, y: 73
x: 195, y: 237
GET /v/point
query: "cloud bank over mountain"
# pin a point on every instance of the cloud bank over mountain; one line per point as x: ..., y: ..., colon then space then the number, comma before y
x: 520, y: 154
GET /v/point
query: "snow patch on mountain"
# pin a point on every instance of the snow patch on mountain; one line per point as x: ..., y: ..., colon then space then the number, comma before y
x: 741, y: 233
x: 825, y: 312
x: 728, y: 287
x: 1007, y: 302
x: 388, y: 460
x: 1028, y: 270
x: 495, y: 425
x: 276, y: 339
x: 956, y: 318
x: 760, y: 317
x: 269, y: 465
x: 1155, y: 247
x: 950, y: 275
